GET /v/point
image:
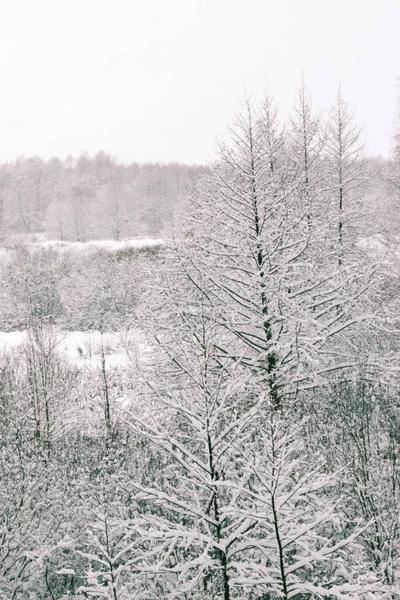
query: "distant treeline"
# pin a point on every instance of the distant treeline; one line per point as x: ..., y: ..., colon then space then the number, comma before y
x: 90, y: 197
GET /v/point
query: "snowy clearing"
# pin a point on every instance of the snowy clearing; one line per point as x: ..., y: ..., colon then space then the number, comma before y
x: 376, y: 243
x: 110, y: 245
x: 84, y: 348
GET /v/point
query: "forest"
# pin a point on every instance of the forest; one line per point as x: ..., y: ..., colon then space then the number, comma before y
x: 212, y: 413
x: 89, y: 198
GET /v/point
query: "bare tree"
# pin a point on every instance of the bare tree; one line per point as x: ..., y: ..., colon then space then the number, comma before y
x: 250, y: 242
x: 345, y: 177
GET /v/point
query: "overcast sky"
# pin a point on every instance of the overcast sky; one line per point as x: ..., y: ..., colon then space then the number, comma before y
x: 159, y: 79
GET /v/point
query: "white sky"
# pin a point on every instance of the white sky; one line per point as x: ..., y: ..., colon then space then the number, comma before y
x: 159, y: 79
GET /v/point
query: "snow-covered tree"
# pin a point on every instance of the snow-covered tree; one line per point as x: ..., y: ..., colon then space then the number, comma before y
x: 197, y: 405
x: 31, y: 288
x: 45, y: 385
x: 249, y: 237
x: 108, y: 548
x: 113, y: 218
x: 237, y: 510
x: 302, y: 542
x: 231, y: 484
x: 345, y: 178
x: 305, y: 144
x: 356, y: 428
x: 391, y: 178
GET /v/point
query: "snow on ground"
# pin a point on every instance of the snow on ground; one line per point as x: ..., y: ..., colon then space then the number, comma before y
x: 384, y: 249
x: 110, y: 245
x: 9, y: 340
x: 84, y: 348
x: 8, y: 247
x: 377, y: 243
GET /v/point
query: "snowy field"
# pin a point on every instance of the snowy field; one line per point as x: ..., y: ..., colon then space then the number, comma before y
x: 37, y: 243
x: 376, y: 243
x: 85, y: 348
x: 82, y: 348
x: 384, y: 250
x: 110, y: 245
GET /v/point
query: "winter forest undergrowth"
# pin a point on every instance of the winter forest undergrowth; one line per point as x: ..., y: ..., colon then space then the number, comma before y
x: 199, y: 370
